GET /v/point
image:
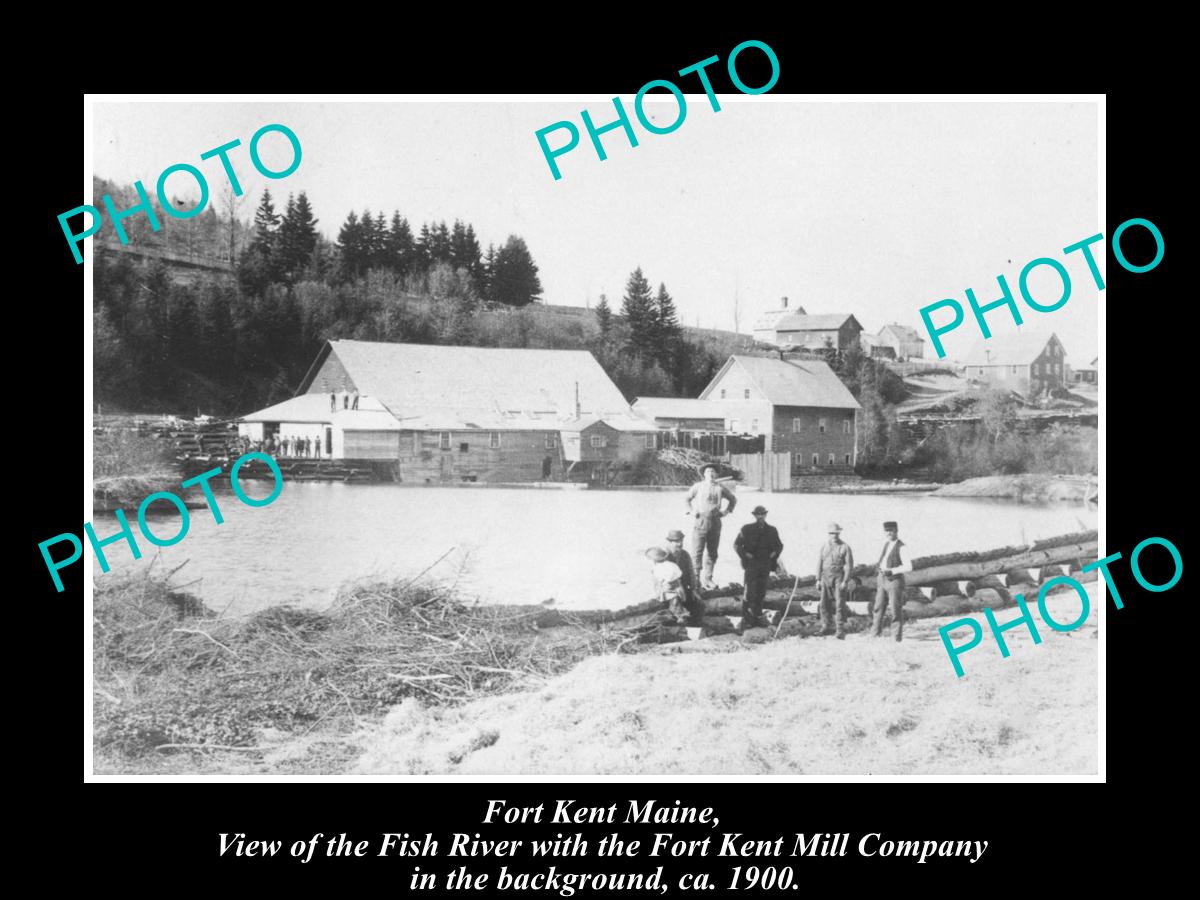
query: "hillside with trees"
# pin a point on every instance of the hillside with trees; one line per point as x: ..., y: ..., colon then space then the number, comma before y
x: 226, y: 346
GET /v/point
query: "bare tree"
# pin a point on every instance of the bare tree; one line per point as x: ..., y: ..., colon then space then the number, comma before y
x: 232, y: 204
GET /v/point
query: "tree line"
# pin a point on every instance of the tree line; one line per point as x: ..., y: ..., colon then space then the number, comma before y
x: 227, y: 346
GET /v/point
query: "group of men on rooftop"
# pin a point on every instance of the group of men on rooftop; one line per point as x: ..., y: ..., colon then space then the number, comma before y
x: 759, y: 547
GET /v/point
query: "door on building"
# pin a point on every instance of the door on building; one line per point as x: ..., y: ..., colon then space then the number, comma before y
x: 328, y: 441
x: 547, y: 463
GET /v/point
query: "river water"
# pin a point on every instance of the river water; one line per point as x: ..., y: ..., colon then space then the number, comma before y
x: 584, y: 549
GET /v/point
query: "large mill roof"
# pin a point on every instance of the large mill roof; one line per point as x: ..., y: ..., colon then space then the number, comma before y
x: 417, y: 377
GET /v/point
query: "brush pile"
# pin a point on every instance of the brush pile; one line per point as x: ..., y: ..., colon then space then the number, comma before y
x: 171, y: 675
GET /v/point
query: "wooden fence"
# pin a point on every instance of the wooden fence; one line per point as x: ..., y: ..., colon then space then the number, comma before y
x: 768, y: 471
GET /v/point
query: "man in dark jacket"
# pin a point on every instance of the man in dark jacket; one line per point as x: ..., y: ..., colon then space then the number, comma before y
x: 759, y: 546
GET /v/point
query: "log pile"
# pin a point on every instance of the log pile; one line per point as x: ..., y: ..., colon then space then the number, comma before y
x: 950, y: 584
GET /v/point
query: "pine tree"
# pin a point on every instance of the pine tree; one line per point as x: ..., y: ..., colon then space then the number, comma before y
x: 423, y: 252
x: 514, y: 280
x: 604, y: 318
x: 399, y: 244
x: 641, y: 315
x: 668, y: 335
x: 350, y: 243
x: 474, y: 257
x: 439, y: 244
x: 266, y: 221
x: 302, y: 236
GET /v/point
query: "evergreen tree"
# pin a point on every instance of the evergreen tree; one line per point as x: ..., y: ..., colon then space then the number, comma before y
x: 604, y: 318
x: 439, y: 244
x: 399, y: 244
x: 641, y: 315
x: 303, y: 238
x: 423, y: 252
x: 668, y: 335
x: 514, y: 280
x: 266, y: 221
x: 350, y: 243
x: 474, y: 257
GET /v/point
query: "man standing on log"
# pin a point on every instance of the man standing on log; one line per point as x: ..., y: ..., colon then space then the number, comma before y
x: 833, y: 568
x: 894, y: 561
x: 704, y: 504
x: 759, y: 546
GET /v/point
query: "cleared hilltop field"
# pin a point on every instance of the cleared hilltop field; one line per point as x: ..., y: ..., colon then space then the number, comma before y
x: 798, y: 706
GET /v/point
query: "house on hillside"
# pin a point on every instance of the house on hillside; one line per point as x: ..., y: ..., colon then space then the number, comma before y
x: 1025, y: 362
x: 441, y: 414
x: 795, y: 328
x: 874, y: 347
x: 904, y: 341
x: 1089, y: 374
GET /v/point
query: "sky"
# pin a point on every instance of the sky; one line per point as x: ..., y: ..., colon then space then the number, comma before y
x: 875, y: 209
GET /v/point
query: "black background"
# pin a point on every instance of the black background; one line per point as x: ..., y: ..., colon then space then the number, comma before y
x: 173, y: 828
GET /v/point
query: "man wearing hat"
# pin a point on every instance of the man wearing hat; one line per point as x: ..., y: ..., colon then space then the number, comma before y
x: 693, y: 605
x: 833, y: 568
x: 704, y: 505
x: 668, y: 581
x: 894, y: 561
x: 759, y: 547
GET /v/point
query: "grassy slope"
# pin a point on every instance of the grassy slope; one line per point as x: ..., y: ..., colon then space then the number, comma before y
x: 799, y: 706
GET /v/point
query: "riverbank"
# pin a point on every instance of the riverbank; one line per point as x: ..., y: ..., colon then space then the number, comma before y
x: 399, y: 678
x: 1024, y: 488
x: 797, y: 706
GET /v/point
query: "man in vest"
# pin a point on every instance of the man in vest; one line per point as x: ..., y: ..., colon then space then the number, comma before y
x: 833, y: 568
x: 893, y: 562
x: 704, y: 505
x: 693, y: 606
x: 759, y: 547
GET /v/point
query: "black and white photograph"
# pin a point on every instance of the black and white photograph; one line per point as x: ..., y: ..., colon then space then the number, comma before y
x: 678, y: 435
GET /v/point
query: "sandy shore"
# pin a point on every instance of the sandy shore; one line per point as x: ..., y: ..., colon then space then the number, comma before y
x: 797, y: 706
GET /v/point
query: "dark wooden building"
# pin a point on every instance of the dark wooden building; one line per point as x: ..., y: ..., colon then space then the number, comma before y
x: 453, y: 414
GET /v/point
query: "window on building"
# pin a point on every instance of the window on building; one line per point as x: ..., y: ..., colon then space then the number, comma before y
x: 463, y: 448
x: 444, y: 440
x: 795, y: 426
x: 821, y: 425
x: 551, y: 441
x: 416, y: 442
x: 845, y: 426
x: 847, y: 459
x: 816, y: 460
x: 1057, y: 370
x: 722, y: 393
x: 733, y: 425
x: 1016, y: 370
x: 598, y: 441
x: 494, y: 440
x: 746, y: 393
x: 649, y: 442
x: 832, y: 458
x: 754, y: 426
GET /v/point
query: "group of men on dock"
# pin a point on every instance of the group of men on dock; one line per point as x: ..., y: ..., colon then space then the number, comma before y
x: 301, y: 447
x: 759, y: 547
